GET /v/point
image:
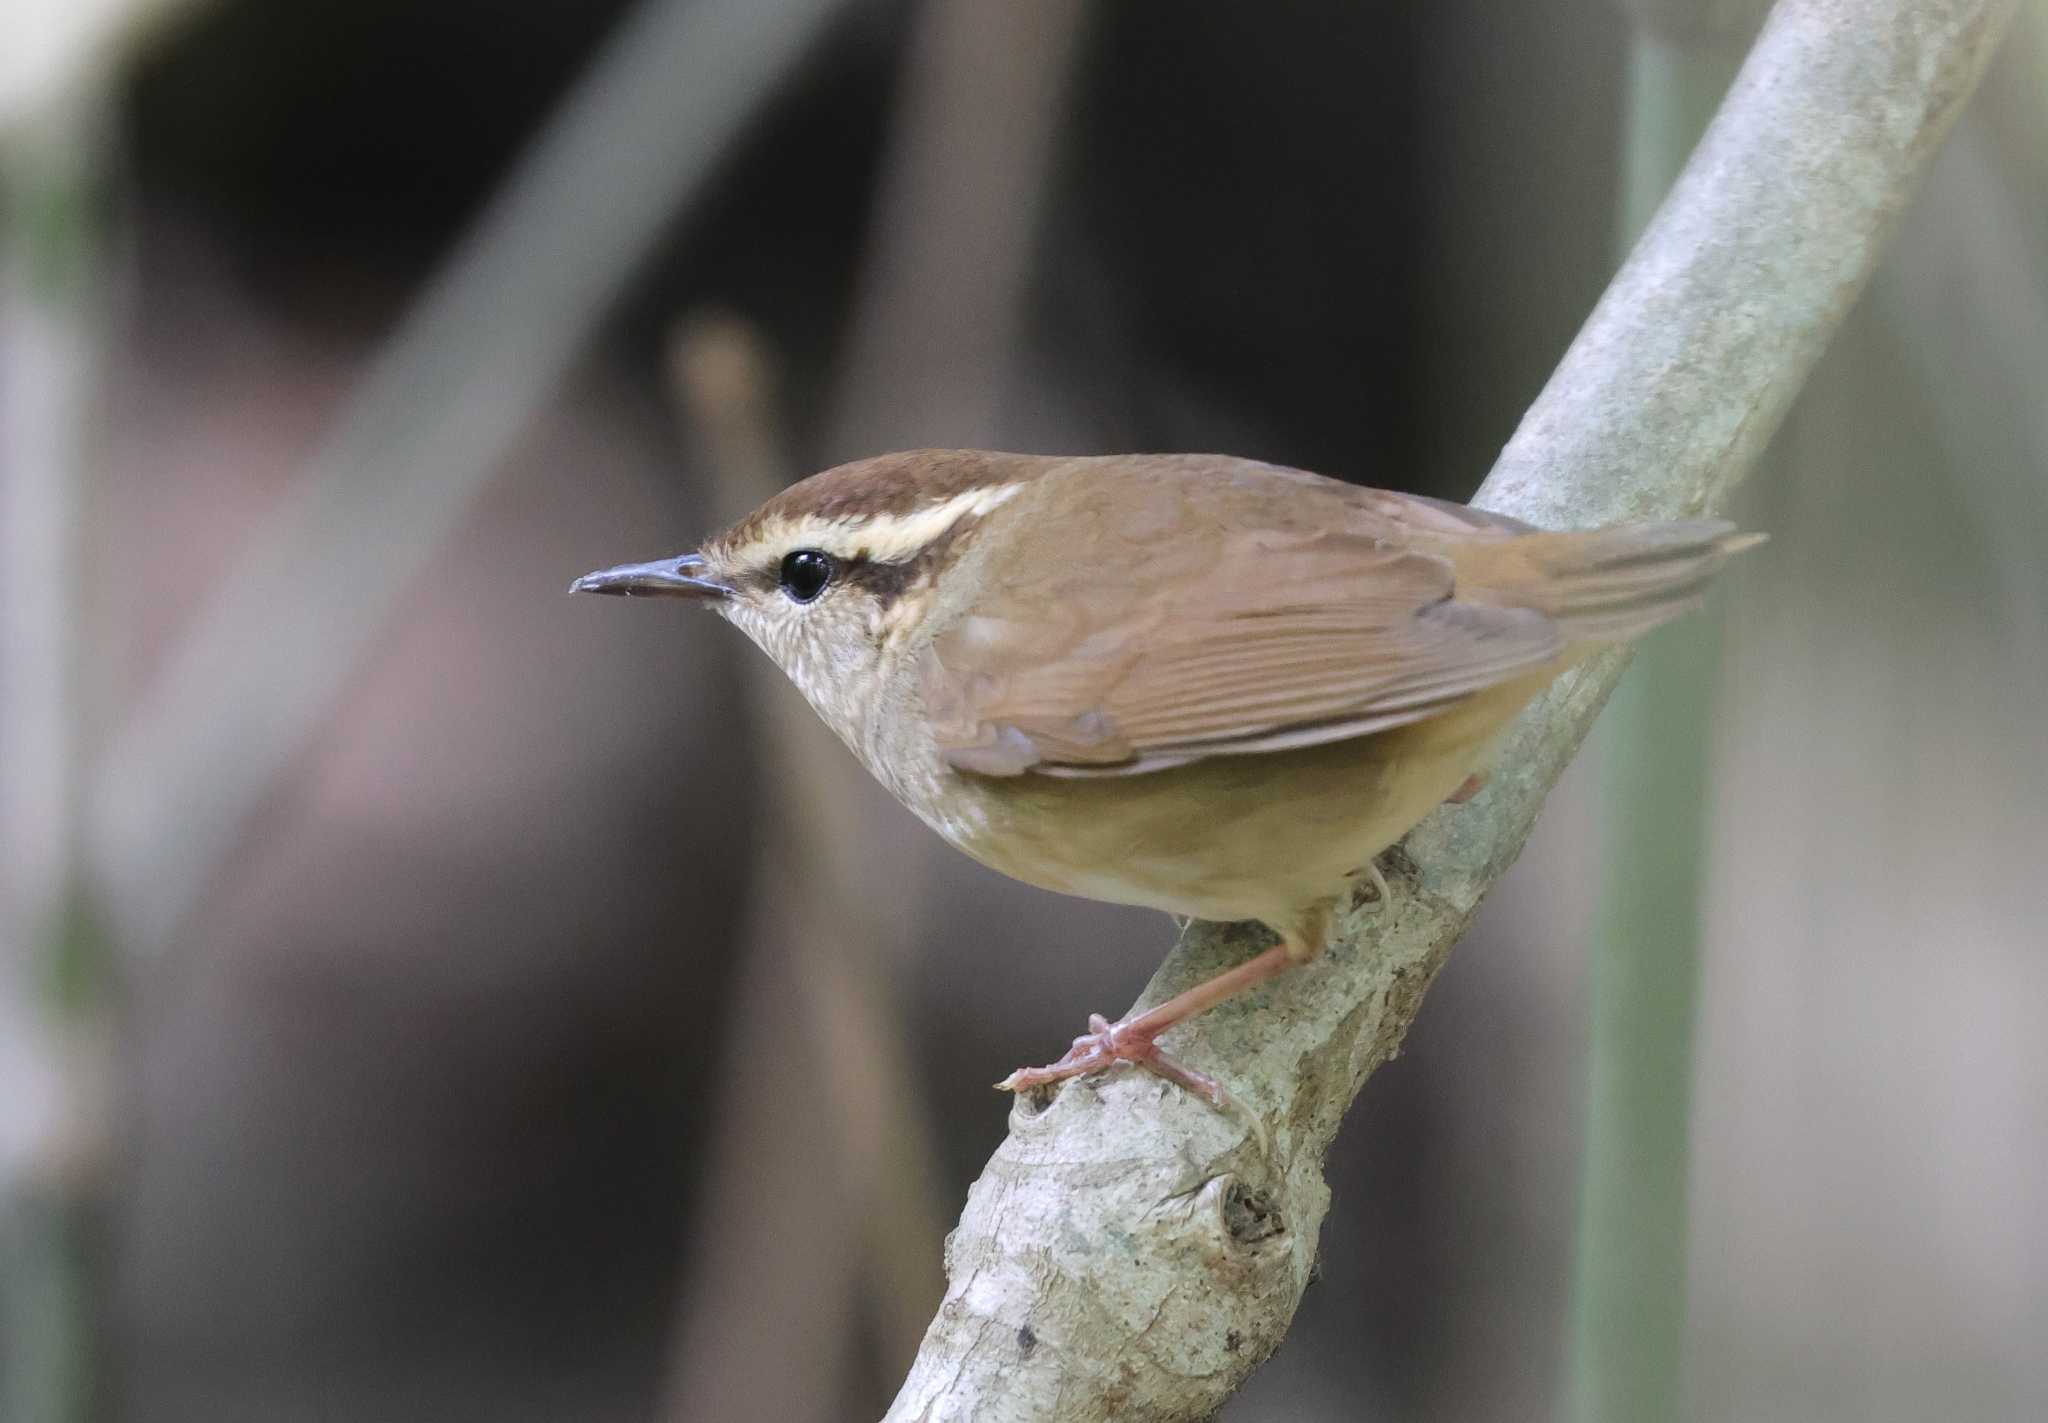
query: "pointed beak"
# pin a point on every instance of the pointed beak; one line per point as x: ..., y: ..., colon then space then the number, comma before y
x: 664, y: 578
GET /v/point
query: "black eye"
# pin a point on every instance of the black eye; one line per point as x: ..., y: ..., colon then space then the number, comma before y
x: 805, y: 574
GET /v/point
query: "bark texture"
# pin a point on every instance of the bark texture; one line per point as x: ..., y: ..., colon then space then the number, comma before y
x: 1129, y: 1253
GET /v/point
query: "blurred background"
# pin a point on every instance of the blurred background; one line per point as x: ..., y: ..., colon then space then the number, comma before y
x: 426, y: 996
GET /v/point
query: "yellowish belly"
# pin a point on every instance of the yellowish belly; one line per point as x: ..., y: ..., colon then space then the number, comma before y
x: 1260, y: 836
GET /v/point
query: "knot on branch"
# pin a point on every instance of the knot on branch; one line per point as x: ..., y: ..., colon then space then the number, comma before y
x: 1122, y: 1210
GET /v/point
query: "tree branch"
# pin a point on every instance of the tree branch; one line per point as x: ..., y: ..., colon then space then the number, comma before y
x: 1130, y: 1253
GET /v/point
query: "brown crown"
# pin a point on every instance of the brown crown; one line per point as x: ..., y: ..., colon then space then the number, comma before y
x: 885, y: 486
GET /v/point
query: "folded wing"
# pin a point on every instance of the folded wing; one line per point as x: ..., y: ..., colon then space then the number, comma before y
x: 1228, y: 609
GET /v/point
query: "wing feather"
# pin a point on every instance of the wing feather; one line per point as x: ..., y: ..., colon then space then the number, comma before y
x: 1227, y: 608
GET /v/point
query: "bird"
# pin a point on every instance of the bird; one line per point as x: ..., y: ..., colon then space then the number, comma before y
x: 1199, y: 683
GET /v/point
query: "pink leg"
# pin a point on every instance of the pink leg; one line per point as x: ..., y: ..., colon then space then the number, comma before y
x: 1135, y: 1039
x: 1471, y: 786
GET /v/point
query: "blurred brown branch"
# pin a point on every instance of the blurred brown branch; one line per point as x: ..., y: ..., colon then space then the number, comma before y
x: 940, y: 298
x: 818, y: 1093
x: 821, y: 1062
x: 1129, y: 1253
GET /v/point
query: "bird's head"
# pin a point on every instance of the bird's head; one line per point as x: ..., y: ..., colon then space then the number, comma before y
x: 833, y: 572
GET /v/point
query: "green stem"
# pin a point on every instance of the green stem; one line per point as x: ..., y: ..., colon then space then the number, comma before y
x: 1630, y: 1279
x: 53, y: 966
x: 1629, y: 1286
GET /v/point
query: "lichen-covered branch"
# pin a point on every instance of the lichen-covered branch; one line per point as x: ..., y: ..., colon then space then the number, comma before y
x: 1130, y: 1253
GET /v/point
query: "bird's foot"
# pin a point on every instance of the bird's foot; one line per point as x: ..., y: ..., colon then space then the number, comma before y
x: 1370, y: 873
x: 1104, y: 1045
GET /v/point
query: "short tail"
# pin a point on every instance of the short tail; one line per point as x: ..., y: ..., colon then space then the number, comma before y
x: 1612, y: 584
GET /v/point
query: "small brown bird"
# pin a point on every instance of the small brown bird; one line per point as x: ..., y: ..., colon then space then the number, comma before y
x: 1195, y: 682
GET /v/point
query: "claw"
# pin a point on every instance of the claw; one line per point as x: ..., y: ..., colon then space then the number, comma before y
x: 1371, y: 871
x: 1104, y: 1045
x: 1135, y: 1039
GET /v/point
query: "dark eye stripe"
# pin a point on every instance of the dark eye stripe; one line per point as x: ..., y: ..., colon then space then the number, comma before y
x: 887, y: 581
